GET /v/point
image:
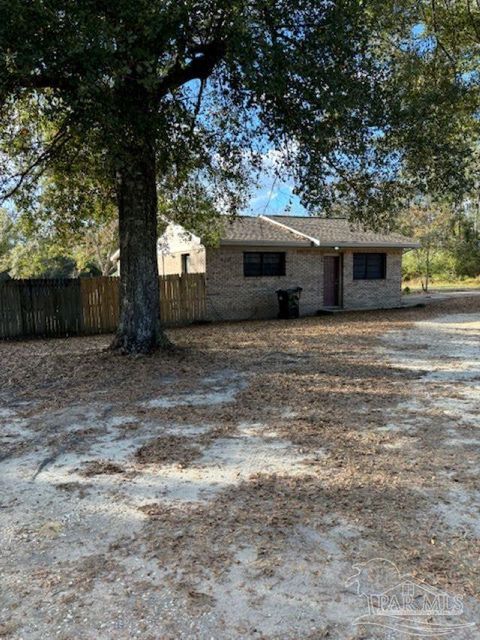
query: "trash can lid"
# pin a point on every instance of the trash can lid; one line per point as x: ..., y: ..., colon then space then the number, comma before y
x: 289, y: 292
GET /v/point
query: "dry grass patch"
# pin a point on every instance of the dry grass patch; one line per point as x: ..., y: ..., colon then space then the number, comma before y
x: 168, y: 450
x: 100, y: 467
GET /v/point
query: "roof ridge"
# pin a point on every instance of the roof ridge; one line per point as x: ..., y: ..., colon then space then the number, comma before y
x: 313, y: 240
x: 285, y: 215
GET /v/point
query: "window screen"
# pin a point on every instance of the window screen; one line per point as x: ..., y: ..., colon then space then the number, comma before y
x: 259, y: 263
x: 369, y: 266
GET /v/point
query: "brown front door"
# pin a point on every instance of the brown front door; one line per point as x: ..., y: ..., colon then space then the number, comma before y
x: 331, y: 281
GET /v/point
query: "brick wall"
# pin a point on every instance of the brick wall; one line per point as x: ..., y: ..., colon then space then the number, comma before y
x: 373, y: 294
x: 232, y: 296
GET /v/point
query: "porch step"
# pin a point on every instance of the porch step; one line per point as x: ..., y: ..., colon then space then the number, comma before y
x: 327, y: 311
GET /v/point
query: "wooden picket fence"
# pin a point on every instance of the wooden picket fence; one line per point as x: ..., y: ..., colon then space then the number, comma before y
x: 55, y: 308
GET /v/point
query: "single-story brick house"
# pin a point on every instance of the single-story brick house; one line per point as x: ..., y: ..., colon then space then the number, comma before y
x: 337, y: 264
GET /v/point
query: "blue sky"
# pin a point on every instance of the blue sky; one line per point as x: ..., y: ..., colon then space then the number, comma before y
x: 274, y: 196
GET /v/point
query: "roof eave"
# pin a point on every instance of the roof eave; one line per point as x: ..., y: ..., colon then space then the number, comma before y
x: 371, y: 245
x: 264, y: 243
x: 329, y: 245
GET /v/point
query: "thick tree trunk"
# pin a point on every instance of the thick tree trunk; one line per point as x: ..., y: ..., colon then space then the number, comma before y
x: 139, y: 329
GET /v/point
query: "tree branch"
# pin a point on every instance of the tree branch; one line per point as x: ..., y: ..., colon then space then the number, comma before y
x: 437, y: 36
x: 473, y: 23
x: 42, y: 81
x: 198, y: 105
x: 199, y: 68
x: 35, y: 167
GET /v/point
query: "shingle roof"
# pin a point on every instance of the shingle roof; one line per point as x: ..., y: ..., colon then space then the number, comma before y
x: 250, y: 229
x: 308, y: 231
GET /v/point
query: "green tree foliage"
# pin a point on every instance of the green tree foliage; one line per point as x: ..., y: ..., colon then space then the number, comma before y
x: 40, y: 259
x: 167, y: 91
x: 7, y: 237
x: 450, y: 244
x: 465, y: 248
x: 74, y: 208
x: 30, y: 254
x: 65, y: 228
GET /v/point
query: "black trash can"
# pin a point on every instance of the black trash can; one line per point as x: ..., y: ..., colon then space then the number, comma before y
x: 289, y: 302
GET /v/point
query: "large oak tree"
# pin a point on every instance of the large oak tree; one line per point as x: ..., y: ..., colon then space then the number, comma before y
x: 161, y: 89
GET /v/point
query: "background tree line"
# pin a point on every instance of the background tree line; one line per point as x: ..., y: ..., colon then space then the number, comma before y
x: 450, y: 242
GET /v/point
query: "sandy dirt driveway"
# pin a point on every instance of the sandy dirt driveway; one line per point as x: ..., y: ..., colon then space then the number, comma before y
x: 307, y: 479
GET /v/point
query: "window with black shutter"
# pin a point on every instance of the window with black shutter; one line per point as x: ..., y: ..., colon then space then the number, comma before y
x: 263, y: 263
x: 369, y: 266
